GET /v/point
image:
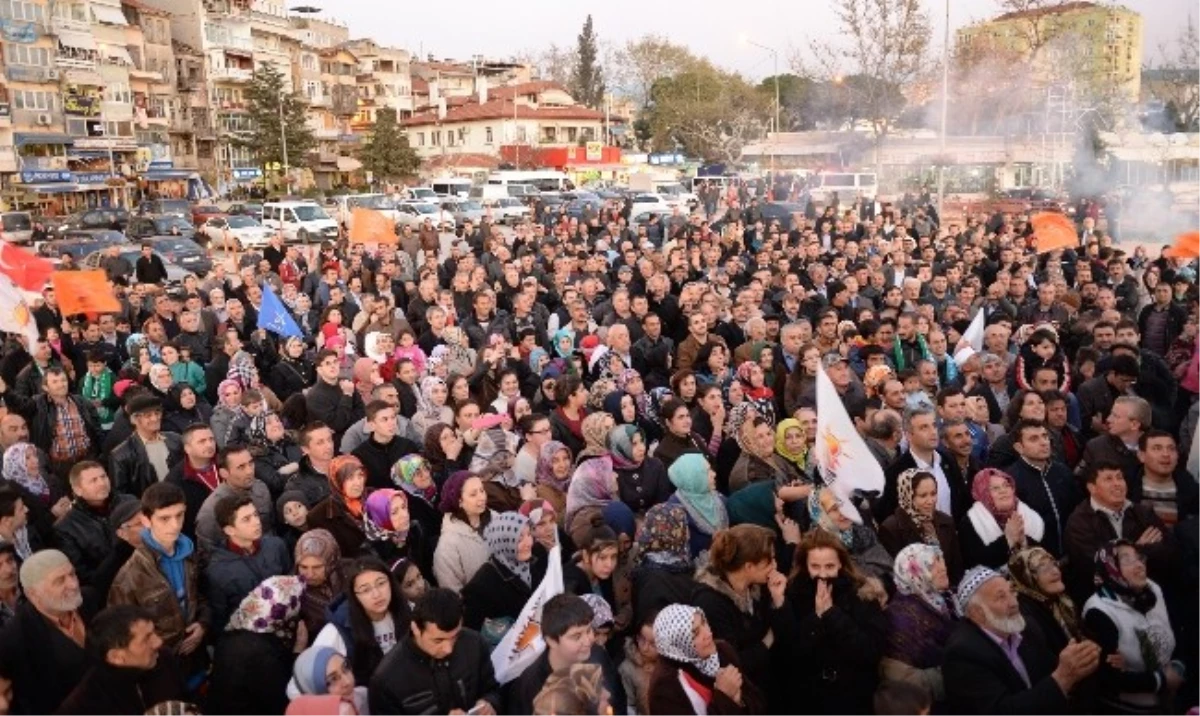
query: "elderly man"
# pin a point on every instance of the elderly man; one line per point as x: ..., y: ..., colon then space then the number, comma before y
x: 994, y: 665
x: 46, y: 637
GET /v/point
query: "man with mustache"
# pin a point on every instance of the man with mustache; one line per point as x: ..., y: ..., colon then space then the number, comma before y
x: 46, y: 636
x: 994, y: 665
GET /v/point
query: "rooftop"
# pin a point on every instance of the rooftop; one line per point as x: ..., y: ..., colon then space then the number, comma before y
x: 502, y: 109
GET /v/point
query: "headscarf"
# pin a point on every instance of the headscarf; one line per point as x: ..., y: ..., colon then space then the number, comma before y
x: 600, y: 390
x: 15, y: 469
x: 906, y: 490
x: 452, y: 491
x: 556, y: 342
x: 602, y: 612
x: 535, y: 360
x: 544, y: 473
x: 160, y: 377
x: 503, y: 536
x: 913, y: 574
x: 425, y: 404
x: 341, y: 468
x: 363, y: 368
x: 663, y: 537
x: 654, y: 402
x: 983, y: 495
x: 309, y: 671
x: 1022, y: 572
x: 781, y: 448
x: 459, y: 356
x: 434, y: 454
x: 620, y: 442
x: 821, y: 518
x: 256, y: 434
x: 321, y: 543
x: 753, y: 504
x: 612, y: 405
x: 241, y: 370
x: 689, y: 475
x: 591, y: 486
x: 133, y: 343
x: 595, y: 435
x: 743, y: 373
x: 875, y: 377
x: 404, y: 472
x: 494, y: 453
x: 273, y: 607
x: 641, y: 400
x: 371, y: 348
x: 675, y: 641
x: 377, y: 517
x: 738, y: 415
x: 576, y: 689
x: 1112, y: 585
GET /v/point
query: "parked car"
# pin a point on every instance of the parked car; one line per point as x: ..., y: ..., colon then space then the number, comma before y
x: 104, y: 218
x: 507, y: 210
x: 301, y: 221
x: 184, y: 252
x: 16, y: 226
x: 464, y: 210
x: 179, y: 207
x: 146, y: 227
x: 252, y: 209
x: 80, y: 243
x: 414, y: 213
x: 246, y: 231
x: 646, y: 202
x: 131, y: 253
x: 203, y: 212
x: 422, y: 193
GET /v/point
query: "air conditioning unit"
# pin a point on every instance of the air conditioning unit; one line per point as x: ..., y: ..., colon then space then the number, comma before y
x: 52, y: 74
x: 44, y: 119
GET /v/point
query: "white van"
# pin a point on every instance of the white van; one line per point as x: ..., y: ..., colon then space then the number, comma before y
x: 301, y: 221
x: 847, y: 185
x: 451, y: 186
x: 342, y: 207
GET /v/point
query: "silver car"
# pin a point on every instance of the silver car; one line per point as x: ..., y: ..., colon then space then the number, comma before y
x: 464, y: 210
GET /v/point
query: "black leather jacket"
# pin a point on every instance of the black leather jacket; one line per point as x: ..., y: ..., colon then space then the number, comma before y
x: 130, y: 467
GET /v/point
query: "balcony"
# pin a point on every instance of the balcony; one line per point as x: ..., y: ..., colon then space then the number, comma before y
x: 46, y: 164
x: 220, y: 37
x: 321, y: 101
x: 8, y: 160
x: 5, y: 113
x: 62, y: 24
x: 331, y: 134
x: 76, y: 62
x: 230, y: 74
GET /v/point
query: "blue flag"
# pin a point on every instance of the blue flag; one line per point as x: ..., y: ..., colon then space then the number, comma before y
x: 275, y: 318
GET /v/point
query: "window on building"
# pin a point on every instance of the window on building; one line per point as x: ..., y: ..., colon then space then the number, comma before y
x: 308, y: 62
x: 587, y: 133
x: 16, y: 54
x: 420, y: 139
x: 25, y: 11
x: 34, y: 100
x: 572, y: 133
x: 549, y: 134
x: 487, y: 136
x: 117, y: 92
x: 436, y: 138
x: 450, y: 138
x: 522, y: 137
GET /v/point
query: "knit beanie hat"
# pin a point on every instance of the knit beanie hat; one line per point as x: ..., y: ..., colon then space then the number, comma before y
x: 975, y: 578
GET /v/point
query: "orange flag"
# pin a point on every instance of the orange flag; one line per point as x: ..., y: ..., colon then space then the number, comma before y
x: 1187, y: 246
x: 84, y: 292
x: 369, y: 226
x: 1054, y: 231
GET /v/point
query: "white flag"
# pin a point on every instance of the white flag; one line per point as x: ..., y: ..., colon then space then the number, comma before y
x: 971, y: 341
x: 845, y: 461
x: 523, y: 643
x: 15, y: 314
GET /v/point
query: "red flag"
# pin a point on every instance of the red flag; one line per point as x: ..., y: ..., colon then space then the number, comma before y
x: 1187, y: 246
x: 28, y: 271
x: 1053, y: 231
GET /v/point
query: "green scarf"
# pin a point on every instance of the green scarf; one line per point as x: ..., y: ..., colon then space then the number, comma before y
x: 99, y: 388
x: 898, y: 352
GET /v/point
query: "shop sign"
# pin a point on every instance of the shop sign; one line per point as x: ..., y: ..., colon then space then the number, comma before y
x: 91, y: 177
x: 247, y: 174
x: 44, y: 176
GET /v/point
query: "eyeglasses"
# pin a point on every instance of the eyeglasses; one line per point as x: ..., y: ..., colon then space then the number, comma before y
x: 378, y: 587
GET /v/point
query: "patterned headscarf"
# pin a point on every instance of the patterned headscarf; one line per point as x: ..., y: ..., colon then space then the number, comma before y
x: 906, y: 489
x: 620, y: 442
x: 743, y: 373
x: 875, y: 377
x: 1022, y: 571
x: 595, y: 428
x: 575, y: 690
x: 242, y: 370
x: 404, y: 472
x: 1111, y: 584
x: 425, y: 404
x: 591, y: 486
x: 494, y: 453
x: 545, y: 472
x: 821, y: 518
x: 663, y: 537
x: 689, y: 475
x: 737, y: 417
x: 272, y: 607
x: 913, y: 574
x: 654, y: 402
x: 342, y: 468
x: 16, y: 470
x: 599, y: 391
x: 256, y: 434
x: 377, y: 517
x: 160, y: 377
x: 319, y: 542
x: 781, y: 448
x: 503, y: 536
x: 602, y: 612
x: 675, y: 641
x: 982, y: 493
x: 624, y: 379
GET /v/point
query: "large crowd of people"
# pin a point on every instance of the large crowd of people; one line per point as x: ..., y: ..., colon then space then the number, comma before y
x: 349, y: 512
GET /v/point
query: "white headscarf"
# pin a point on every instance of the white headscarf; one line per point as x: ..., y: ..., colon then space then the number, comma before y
x: 674, y: 639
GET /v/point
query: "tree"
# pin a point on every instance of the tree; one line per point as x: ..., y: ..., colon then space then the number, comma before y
x: 554, y: 63
x: 706, y: 113
x: 275, y: 115
x: 1174, y: 81
x: 587, y: 77
x: 797, y: 101
x: 387, y: 153
x: 644, y: 61
x: 886, y: 45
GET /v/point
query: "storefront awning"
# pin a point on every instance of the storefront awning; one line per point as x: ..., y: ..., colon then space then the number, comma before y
x: 22, y: 139
x: 77, y: 40
x: 166, y: 174
x: 52, y: 188
x: 116, y: 52
x: 108, y: 14
x: 348, y: 164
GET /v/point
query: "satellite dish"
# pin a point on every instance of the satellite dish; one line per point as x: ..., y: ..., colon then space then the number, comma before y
x: 305, y: 9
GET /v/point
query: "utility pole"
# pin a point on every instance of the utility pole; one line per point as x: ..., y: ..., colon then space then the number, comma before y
x: 775, y: 60
x: 945, y: 104
x: 287, y: 173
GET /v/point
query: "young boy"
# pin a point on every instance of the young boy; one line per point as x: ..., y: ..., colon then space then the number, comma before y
x: 97, y: 389
x: 163, y: 576
x: 567, y: 629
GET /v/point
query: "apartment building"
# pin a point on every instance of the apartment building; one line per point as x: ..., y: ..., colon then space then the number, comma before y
x: 31, y: 111
x: 337, y: 143
x: 384, y: 80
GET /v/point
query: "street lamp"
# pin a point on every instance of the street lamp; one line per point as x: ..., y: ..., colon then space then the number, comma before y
x: 945, y: 100
x: 775, y: 59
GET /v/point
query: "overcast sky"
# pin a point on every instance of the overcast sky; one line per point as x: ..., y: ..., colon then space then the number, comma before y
x: 460, y: 28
